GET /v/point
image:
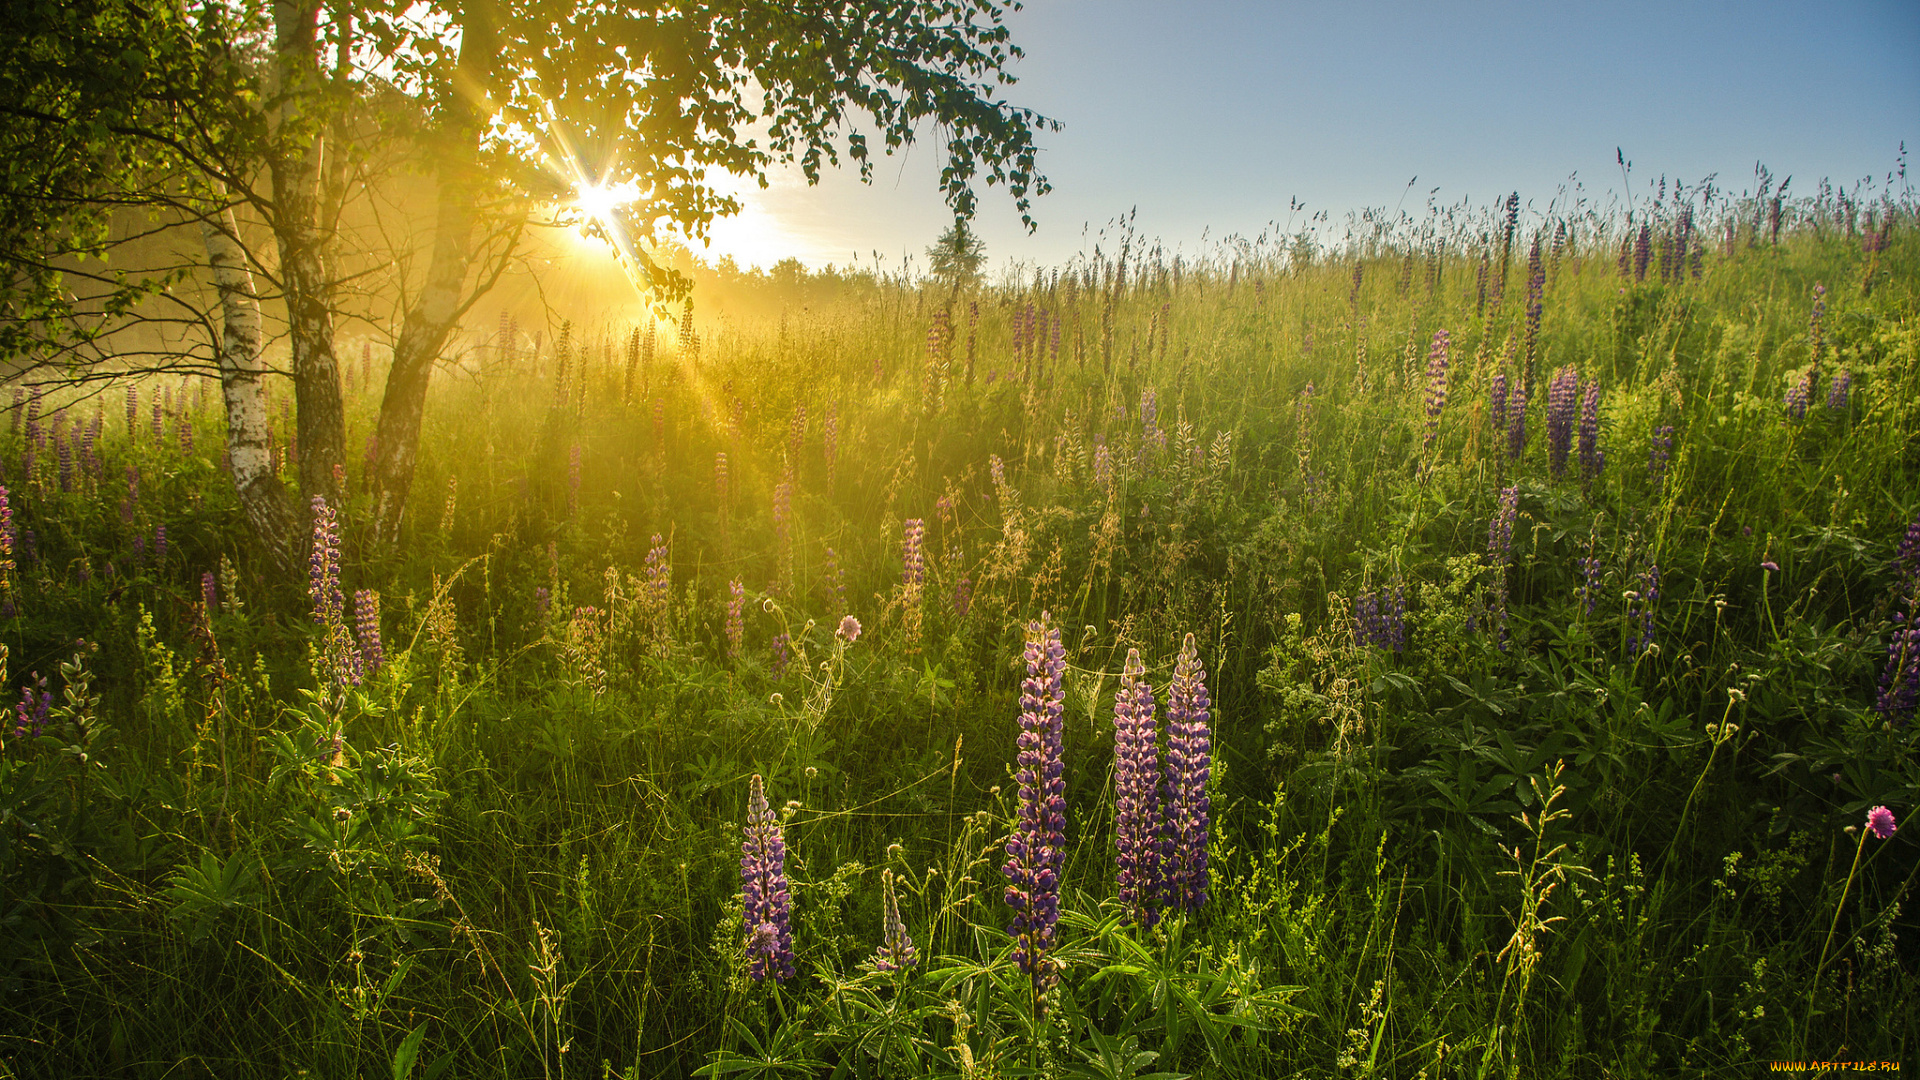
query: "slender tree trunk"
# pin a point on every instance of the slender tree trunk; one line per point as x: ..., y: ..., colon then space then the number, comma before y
x: 295, y: 163
x: 430, y: 321
x: 262, y: 499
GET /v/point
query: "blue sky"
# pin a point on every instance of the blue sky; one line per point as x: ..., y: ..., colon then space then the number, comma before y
x: 1214, y: 115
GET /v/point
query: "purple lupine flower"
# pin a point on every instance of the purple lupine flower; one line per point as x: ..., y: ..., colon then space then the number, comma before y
x: 1436, y: 385
x: 1517, y: 422
x: 914, y: 570
x: 1500, y: 556
x: 63, y: 449
x: 160, y: 543
x: 896, y: 950
x: 1880, y: 822
x: 133, y: 412
x: 1536, y: 289
x: 1660, y: 450
x: 660, y: 428
x: 30, y: 710
x: 542, y: 600
x: 962, y: 596
x: 1838, y: 391
x: 573, y: 480
x: 1151, y: 434
x: 1102, y: 464
x: 1640, y: 611
x: 1815, y: 340
x: 366, y: 616
x: 323, y: 565
x: 765, y: 902
x: 720, y: 479
x: 1592, y: 459
x: 6, y: 540
x: 35, y: 436
x: 836, y: 581
x: 782, y: 653
x: 1380, y: 619
x: 848, y: 630
x: 736, y: 625
x: 185, y: 426
x: 782, y: 509
x: 1136, y: 794
x: 1562, y: 399
x: 1036, y: 851
x: 1497, y: 403
x: 338, y: 656
x: 1900, y: 679
x: 139, y: 552
x: 830, y: 439
x: 159, y: 418
x: 1798, y: 396
x: 209, y: 593
x: 659, y: 574
x: 1589, y: 580
x: 89, y: 461
x: 1642, y: 252
x: 1189, y: 764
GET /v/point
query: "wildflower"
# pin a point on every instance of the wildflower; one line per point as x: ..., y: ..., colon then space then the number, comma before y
x: 366, y: 615
x: 782, y: 653
x: 736, y: 626
x: 1036, y: 851
x: 6, y: 541
x: 849, y: 629
x: 1561, y: 395
x: 1497, y: 403
x: 1500, y: 555
x: 1592, y: 458
x: 914, y: 571
x: 31, y: 711
x: 896, y: 950
x: 209, y: 592
x: 1380, y: 619
x: 1517, y: 422
x: 1189, y: 763
x: 765, y: 902
x: 829, y: 440
x: 1136, y: 793
x: 1436, y: 385
x: 1900, y: 679
x: 339, y: 660
x: 1880, y: 822
x: 1838, y: 391
x: 1660, y: 450
x: 1641, y: 611
x: 1770, y: 565
x: 1798, y: 395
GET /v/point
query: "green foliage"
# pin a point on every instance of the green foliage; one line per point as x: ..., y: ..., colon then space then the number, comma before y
x: 515, y: 849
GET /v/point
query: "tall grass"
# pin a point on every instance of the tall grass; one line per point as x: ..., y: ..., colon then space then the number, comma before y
x: 1591, y: 819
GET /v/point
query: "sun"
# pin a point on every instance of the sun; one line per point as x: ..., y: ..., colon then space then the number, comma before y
x: 599, y: 202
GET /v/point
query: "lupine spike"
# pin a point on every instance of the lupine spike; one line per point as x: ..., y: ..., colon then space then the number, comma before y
x: 1036, y: 852
x: 765, y: 901
x: 1136, y: 794
x: 1188, y: 767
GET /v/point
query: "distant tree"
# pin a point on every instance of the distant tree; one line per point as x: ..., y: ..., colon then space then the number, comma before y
x: 957, y: 256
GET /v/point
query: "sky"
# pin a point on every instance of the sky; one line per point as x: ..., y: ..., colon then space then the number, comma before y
x: 1209, y: 118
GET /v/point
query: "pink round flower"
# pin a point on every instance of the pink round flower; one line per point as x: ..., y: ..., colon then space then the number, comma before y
x: 1880, y: 822
x: 849, y: 629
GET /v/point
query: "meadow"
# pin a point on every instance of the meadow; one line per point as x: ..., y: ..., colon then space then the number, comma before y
x: 1481, y: 642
